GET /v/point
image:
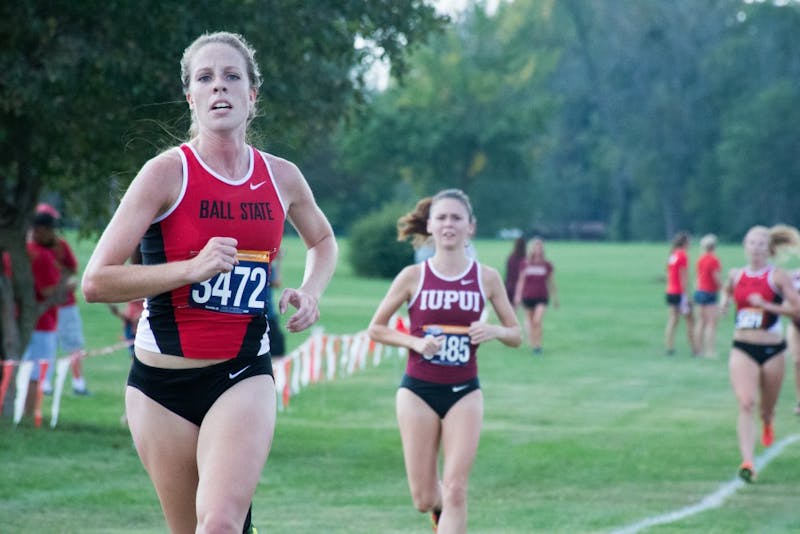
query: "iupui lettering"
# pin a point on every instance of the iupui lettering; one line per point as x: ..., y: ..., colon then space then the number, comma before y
x: 448, y: 299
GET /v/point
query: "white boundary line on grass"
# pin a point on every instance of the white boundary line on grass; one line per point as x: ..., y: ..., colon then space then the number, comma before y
x: 712, y: 500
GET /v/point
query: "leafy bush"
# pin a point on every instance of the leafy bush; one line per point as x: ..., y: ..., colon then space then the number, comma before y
x: 374, y: 248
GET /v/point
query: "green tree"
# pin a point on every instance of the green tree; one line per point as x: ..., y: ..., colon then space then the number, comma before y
x: 749, y: 166
x: 375, y: 250
x: 759, y: 189
x: 467, y: 116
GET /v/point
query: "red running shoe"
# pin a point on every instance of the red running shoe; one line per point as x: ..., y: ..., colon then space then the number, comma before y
x: 768, y: 435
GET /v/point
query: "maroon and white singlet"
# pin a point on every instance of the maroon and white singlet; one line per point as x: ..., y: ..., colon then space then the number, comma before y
x: 747, y: 283
x: 446, y: 306
x: 223, y: 317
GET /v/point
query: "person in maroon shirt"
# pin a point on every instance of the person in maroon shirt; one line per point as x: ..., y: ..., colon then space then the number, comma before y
x: 535, y: 289
x: 439, y: 402
x: 513, y: 263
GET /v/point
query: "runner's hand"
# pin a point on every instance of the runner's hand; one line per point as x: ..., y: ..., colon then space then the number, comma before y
x: 218, y: 256
x: 307, y: 309
x: 428, y: 345
x: 480, y: 331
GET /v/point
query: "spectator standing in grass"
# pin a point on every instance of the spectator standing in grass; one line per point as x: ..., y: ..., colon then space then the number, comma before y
x: 761, y: 293
x: 706, y: 292
x: 210, y: 216
x: 678, y: 303
x: 70, y: 326
x: 439, y: 402
x: 50, y: 291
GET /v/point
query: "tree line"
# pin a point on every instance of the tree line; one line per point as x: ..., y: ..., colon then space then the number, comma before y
x: 625, y: 121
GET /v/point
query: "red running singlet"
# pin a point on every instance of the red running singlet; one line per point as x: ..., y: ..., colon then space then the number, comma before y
x: 678, y: 261
x: 445, y: 306
x: 748, y: 283
x: 225, y: 316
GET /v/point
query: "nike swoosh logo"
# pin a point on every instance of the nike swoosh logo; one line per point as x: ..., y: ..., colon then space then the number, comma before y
x: 465, y: 282
x: 237, y: 373
x: 253, y: 187
x: 462, y: 387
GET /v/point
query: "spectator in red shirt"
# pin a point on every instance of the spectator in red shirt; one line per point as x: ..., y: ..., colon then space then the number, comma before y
x: 677, y: 300
x: 47, y: 284
x: 70, y: 326
x: 705, y: 296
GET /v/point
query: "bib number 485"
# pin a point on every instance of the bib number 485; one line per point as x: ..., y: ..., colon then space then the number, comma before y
x: 455, y: 349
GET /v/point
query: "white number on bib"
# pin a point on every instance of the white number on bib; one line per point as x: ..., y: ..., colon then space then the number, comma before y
x: 455, y: 349
x: 242, y: 291
x: 749, y: 318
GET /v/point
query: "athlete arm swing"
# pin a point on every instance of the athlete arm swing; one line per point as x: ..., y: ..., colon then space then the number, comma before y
x: 508, y: 332
x: 400, y: 291
x: 321, y: 248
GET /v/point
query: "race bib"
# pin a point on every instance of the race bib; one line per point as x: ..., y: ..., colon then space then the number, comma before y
x: 749, y: 318
x: 244, y: 290
x: 455, y: 349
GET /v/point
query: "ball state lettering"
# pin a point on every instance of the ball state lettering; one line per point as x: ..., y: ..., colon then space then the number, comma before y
x: 255, y: 211
x: 248, y: 211
x: 446, y: 299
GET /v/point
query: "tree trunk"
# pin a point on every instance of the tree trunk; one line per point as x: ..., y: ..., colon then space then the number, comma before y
x: 20, y: 188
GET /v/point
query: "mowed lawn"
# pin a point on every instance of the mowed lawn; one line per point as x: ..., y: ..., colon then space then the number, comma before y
x: 599, y: 433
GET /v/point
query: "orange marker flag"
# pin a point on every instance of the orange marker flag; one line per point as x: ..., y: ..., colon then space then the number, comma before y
x: 37, y: 412
x: 8, y: 370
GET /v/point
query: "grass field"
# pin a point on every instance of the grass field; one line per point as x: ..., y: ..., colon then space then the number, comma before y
x: 601, y: 432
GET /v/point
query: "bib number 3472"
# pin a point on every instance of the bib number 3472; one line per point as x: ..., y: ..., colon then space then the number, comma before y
x: 244, y: 290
